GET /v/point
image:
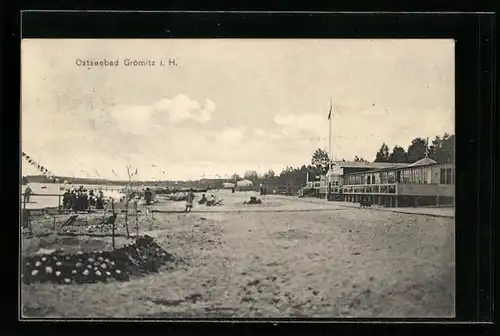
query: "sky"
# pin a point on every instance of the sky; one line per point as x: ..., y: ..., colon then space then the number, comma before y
x: 227, y: 105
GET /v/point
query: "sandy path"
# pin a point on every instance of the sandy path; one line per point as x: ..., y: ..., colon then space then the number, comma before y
x: 331, y: 263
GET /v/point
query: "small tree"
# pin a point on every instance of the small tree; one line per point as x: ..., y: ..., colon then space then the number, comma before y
x: 128, y: 195
x: 320, y: 160
x: 252, y: 175
x: 382, y: 154
x: 417, y: 149
x: 398, y: 155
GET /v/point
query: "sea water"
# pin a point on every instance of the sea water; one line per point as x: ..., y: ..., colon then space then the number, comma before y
x: 47, y: 195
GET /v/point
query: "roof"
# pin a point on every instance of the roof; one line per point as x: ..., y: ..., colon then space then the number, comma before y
x: 369, y: 165
x: 400, y: 168
x: 423, y: 162
x: 245, y: 181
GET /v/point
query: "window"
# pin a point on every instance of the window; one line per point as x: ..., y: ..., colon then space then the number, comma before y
x: 383, y: 177
x: 406, y: 176
x: 428, y: 176
x: 442, y: 176
x: 448, y: 176
x: 390, y: 177
x: 420, y: 176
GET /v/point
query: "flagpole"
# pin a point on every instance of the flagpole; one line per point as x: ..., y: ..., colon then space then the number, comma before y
x: 427, y: 147
x: 330, y: 134
x: 327, y: 177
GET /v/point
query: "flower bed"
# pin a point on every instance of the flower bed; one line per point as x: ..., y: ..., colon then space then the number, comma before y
x: 142, y: 257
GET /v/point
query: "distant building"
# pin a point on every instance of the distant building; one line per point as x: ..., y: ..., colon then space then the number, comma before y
x: 228, y: 185
x: 244, y: 185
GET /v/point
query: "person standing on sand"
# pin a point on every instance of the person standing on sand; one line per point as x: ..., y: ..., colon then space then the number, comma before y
x: 27, y: 194
x: 148, y: 196
x: 189, y: 200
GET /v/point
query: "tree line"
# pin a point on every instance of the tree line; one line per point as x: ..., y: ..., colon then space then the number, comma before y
x: 441, y: 150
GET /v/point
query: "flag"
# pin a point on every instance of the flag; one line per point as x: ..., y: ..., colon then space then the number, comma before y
x: 330, y: 113
x: 427, y: 147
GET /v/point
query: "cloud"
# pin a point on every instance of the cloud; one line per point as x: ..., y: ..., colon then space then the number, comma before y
x: 230, y: 135
x: 259, y: 132
x: 133, y: 119
x: 293, y: 125
x: 374, y: 110
x: 275, y: 136
x: 182, y: 108
x: 141, y: 119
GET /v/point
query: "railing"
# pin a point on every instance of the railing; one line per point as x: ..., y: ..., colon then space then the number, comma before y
x: 371, y: 189
x: 35, y: 196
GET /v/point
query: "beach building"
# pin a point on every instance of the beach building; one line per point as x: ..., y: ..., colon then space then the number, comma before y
x: 422, y: 183
x: 336, y: 175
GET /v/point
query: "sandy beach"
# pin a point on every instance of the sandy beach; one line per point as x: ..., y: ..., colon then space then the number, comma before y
x: 287, y: 257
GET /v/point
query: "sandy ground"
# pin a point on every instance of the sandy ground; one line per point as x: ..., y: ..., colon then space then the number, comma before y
x: 288, y: 257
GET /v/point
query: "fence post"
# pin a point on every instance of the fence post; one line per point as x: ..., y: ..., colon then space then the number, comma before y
x: 113, y: 227
x: 136, y: 219
x: 126, y: 217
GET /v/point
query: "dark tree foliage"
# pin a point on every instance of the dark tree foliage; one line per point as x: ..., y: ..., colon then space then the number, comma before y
x: 442, y: 150
x: 398, y: 155
x: 359, y: 159
x: 320, y: 160
x: 382, y: 154
x: 416, y: 150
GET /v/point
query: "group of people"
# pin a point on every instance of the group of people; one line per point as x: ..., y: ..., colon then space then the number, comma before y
x: 211, y: 201
x: 208, y: 201
x: 81, y: 199
x: 132, y: 196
